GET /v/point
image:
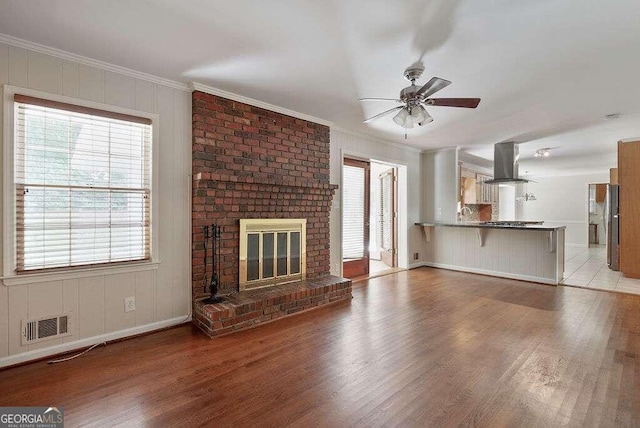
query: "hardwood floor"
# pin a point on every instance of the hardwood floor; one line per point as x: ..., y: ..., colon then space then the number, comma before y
x: 424, y: 347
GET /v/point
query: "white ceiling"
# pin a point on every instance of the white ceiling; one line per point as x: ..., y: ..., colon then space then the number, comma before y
x: 547, y: 71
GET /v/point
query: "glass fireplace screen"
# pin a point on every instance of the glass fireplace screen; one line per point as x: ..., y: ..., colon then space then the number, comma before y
x: 271, y: 251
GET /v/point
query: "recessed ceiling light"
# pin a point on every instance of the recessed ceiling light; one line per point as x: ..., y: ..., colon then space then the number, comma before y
x: 543, y: 153
x: 612, y: 116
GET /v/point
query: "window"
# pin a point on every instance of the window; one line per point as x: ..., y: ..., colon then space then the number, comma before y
x: 82, y: 180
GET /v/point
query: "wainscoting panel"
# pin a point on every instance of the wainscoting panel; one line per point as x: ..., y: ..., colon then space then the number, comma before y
x: 97, y: 300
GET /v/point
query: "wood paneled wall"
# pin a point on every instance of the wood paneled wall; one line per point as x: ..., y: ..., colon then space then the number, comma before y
x: 509, y: 253
x: 98, y: 301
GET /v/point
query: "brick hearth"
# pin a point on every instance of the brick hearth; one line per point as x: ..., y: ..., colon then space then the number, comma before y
x: 248, y: 308
x: 248, y: 162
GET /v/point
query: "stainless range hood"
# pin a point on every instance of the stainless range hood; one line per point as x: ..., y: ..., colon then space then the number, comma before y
x: 505, y: 164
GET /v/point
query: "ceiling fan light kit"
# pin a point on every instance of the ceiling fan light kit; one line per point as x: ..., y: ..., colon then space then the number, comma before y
x: 401, y: 118
x: 408, y: 118
x: 414, y: 98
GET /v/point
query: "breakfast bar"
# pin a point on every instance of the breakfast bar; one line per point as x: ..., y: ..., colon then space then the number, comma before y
x: 527, y: 251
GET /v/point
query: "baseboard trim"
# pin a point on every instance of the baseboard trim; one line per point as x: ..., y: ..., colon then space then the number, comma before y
x: 492, y: 273
x: 416, y: 265
x: 37, y: 354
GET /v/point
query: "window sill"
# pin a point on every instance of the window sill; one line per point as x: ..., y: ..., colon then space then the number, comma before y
x: 31, y: 278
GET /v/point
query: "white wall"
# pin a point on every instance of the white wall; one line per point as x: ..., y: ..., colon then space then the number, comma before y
x: 362, y: 147
x: 163, y: 296
x: 561, y: 201
x: 507, y: 202
x: 439, y: 176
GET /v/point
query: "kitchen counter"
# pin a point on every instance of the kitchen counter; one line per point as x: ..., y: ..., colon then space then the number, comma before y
x: 532, y: 252
x: 492, y: 226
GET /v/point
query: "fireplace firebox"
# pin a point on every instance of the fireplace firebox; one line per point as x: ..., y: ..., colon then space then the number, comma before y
x: 272, y: 251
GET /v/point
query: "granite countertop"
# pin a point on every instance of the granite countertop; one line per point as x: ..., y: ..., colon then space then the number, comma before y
x: 482, y: 225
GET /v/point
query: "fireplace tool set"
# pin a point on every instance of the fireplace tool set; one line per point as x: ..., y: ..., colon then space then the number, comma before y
x: 212, y: 232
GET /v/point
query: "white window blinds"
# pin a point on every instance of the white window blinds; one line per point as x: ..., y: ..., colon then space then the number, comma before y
x: 82, y: 183
x: 353, y: 212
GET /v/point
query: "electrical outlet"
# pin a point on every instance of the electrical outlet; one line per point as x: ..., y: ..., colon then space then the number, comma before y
x: 130, y: 304
x: 416, y: 256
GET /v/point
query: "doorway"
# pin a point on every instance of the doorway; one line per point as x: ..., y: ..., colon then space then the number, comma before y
x: 370, y: 218
x: 383, y: 218
x: 596, y: 215
x: 356, y: 177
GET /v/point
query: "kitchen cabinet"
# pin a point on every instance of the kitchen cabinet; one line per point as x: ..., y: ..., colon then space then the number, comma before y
x: 629, y: 181
x: 601, y: 193
x: 473, y: 191
x: 593, y: 234
x: 469, y: 191
x: 488, y: 193
x: 613, y: 176
x: 467, y: 188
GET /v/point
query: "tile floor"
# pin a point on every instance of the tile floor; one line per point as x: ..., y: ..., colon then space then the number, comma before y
x: 377, y: 266
x: 588, y: 268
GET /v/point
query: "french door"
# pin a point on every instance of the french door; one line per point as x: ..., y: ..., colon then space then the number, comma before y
x: 355, y: 218
x: 387, y: 218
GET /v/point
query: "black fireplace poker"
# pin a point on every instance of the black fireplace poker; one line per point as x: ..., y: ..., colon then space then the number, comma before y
x: 205, y: 234
x: 213, y: 232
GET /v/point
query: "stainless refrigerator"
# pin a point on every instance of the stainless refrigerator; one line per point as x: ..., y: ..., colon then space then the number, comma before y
x: 612, y: 217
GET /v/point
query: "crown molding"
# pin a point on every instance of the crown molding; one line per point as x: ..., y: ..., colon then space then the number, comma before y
x: 370, y: 137
x: 246, y: 100
x: 58, y: 53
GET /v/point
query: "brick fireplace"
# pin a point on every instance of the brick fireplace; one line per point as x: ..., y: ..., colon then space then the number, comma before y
x: 252, y: 163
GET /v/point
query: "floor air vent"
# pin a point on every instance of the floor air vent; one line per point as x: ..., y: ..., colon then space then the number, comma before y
x: 45, y: 328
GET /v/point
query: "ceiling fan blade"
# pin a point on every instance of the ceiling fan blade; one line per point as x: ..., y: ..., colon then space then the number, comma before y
x: 432, y: 86
x: 453, y: 102
x: 384, y: 113
x: 381, y: 99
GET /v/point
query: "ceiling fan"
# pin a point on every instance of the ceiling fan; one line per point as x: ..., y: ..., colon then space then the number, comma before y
x: 414, y: 98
